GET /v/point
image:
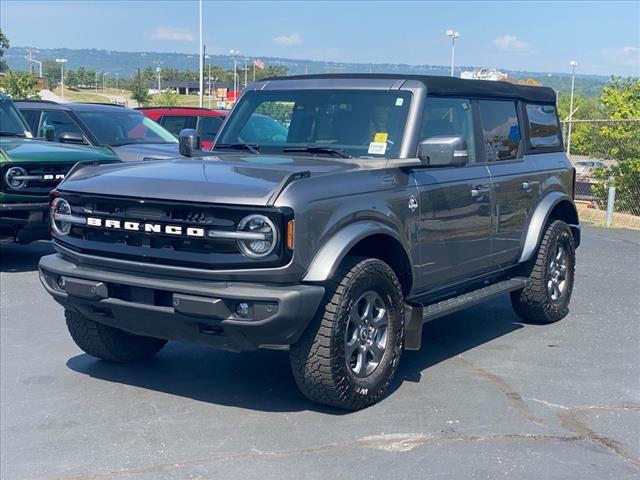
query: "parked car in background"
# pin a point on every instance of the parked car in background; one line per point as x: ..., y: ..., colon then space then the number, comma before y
x: 29, y: 170
x: 175, y: 119
x: 258, y: 129
x: 586, y: 168
x: 129, y: 133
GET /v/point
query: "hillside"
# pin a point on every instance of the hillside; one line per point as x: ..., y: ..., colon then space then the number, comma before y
x: 126, y: 64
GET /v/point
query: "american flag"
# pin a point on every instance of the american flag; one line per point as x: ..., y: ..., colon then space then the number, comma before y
x: 259, y: 63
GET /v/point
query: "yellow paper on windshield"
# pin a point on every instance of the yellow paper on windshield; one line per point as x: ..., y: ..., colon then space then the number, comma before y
x: 380, y: 137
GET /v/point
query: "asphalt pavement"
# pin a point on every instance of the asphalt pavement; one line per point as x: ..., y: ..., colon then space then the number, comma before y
x: 487, y: 397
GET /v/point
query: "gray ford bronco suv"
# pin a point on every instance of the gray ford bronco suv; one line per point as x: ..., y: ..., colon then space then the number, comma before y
x: 392, y: 200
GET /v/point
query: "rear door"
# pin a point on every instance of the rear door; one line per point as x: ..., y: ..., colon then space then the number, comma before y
x: 514, y: 176
x: 455, y: 202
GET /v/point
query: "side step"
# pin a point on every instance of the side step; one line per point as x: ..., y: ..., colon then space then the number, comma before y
x: 418, y: 315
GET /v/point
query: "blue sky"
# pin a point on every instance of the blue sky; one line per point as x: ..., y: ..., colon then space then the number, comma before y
x: 604, y: 37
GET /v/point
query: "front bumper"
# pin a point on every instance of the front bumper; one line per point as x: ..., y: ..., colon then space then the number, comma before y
x: 25, y: 222
x: 187, y: 310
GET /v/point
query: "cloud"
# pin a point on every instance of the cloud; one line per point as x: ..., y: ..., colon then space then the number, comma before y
x: 511, y: 43
x: 172, y: 33
x: 293, y: 39
x: 628, y: 56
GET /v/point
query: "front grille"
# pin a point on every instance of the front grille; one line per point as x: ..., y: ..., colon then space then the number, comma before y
x: 162, y: 248
x: 43, y: 177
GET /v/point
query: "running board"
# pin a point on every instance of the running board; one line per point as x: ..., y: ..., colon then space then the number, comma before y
x: 417, y: 315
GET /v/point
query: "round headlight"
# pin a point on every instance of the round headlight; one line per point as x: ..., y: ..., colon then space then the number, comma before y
x: 12, y: 177
x: 59, y: 208
x: 261, y: 236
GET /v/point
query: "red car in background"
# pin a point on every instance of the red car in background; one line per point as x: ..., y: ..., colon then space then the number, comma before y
x: 206, y: 122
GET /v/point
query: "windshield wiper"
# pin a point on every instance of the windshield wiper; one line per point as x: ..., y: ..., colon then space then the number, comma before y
x: 237, y: 146
x: 12, y: 134
x: 318, y: 149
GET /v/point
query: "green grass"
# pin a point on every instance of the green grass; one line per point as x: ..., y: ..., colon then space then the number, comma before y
x: 76, y: 95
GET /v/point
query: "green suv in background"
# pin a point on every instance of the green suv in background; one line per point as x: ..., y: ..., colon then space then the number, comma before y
x: 29, y: 170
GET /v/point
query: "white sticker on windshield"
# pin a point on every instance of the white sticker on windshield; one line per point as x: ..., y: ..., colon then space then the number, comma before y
x: 399, y: 101
x: 377, y: 148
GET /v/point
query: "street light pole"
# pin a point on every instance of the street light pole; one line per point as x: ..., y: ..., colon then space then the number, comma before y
x: 453, y: 34
x: 96, y: 83
x: 117, y: 84
x: 61, y: 61
x: 104, y: 75
x: 201, y: 59
x: 246, y: 68
x: 573, y: 64
x: 235, y: 54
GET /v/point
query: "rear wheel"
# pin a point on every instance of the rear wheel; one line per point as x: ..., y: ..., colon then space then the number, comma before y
x: 109, y: 343
x: 348, y: 355
x: 546, y: 298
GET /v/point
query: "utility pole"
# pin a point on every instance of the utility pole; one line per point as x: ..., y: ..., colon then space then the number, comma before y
x: 116, y: 84
x: 246, y: 68
x: 573, y: 64
x: 61, y: 61
x: 201, y: 59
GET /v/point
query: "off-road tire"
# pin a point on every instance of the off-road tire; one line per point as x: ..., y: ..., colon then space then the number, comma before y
x: 318, y: 360
x: 534, y: 303
x: 109, y: 343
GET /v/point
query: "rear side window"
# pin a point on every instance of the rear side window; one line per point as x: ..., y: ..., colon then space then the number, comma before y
x: 208, y: 127
x: 177, y: 123
x: 544, y: 130
x: 500, y: 129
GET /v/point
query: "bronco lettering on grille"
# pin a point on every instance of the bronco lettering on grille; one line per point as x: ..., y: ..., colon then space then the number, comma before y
x: 144, y: 227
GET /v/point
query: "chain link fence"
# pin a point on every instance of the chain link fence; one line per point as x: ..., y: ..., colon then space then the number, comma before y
x: 606, y: 156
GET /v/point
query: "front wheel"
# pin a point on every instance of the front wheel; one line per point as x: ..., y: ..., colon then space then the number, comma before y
x: 348, y: 355
x: 546, y: 297
x: 109, y: 343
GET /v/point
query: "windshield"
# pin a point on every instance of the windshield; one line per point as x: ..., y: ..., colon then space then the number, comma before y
x: 11, y: 122
x: 345, y: 123
x: 124, y: 128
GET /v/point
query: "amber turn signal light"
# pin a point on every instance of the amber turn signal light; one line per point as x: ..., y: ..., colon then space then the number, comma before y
x: 290, y: 231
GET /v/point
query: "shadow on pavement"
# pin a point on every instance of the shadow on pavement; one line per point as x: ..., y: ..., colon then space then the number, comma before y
x: 261, y: 380
x: 23, y: 258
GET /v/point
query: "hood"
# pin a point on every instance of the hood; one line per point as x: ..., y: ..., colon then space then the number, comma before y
x: 135, y: 152
x: 233, y: 179
x: 31, y: 151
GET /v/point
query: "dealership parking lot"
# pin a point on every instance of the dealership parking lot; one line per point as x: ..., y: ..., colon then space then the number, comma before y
x: 487, y: 397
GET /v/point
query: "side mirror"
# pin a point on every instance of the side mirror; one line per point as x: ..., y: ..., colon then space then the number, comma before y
x: 443, y: 151
x: 48, y: 133
x: 189, y: 141
x: 71, y: 137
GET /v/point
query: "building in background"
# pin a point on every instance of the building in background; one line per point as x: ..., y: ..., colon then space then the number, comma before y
x: 484, y: 74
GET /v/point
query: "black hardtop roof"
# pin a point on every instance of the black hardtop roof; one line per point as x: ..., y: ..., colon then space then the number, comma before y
x: 448, y: 86
x: 74, y: 106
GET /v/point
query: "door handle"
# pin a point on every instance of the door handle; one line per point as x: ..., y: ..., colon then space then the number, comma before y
x: 479, y: 191
x: 529, y: 185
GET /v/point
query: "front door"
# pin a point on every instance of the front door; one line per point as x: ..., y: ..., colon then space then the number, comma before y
x: 455, y: 202
x: 514, y: 178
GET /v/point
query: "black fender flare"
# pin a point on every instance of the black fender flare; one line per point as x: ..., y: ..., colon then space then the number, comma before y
x: 330, y: 255
x: 535, y: 229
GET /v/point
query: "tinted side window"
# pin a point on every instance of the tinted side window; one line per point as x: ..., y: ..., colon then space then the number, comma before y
x: 33, y: 119
x: 449, y: 116
x: 500, y: 129
x: 544, y: 130
x: 176, y: 123
x: 208, y: 127
x: 61, y: 122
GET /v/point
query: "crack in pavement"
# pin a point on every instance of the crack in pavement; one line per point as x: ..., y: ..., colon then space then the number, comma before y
x: 572, y: 421
x: 514, y: 398
x: 397, y: 443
